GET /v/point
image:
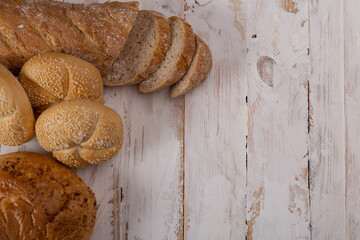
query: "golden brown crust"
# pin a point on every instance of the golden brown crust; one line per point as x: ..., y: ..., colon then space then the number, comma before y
x: 47, y: 16
x: 80, y: 132
x: 9, y: 59
x: 110, y: 15
x: 53, y: 77
x: 16, y: 116
x: 174, y: 73
x: 42, y: 199
x: 18, y: 34
x: 32, y: 27
x: 197, y: 73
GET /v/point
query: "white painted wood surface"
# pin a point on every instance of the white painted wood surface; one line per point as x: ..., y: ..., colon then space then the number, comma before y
x: 352, y: 115
x: 215, y: 127
x: 266, y: 148
x: 327, y: 124
x: 277, y: 62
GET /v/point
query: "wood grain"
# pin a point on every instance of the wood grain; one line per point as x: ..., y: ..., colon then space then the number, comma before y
x: 327, y: 122
x: 149, y: 168
x: 352, y: 117
x: 277, y: 169
x: 215, y: 127
x: 155, y: 196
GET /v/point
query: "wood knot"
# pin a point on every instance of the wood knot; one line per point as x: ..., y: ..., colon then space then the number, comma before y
x: 265, y: 67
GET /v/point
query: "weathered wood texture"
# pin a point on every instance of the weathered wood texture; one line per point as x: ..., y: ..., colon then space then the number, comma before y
x: 327, y: 131
x: 147, y: 197
x: 352, y: 118
x: 277, y: 64
x: 215, y: 127
x: 266, y: 148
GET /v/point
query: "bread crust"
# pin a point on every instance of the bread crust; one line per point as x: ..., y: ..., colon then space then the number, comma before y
x: 32, y: 27
x: 80, y: 132
x: 19, y: 34
x: 198, y: 71
x: 16, y: 115
x: 54, y: 77
x: 112, y: 15
x: 42, y: 199
x: 175, y: 72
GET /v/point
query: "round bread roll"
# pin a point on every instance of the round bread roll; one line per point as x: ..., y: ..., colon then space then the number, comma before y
x: 17, y: 122
x: 53, y: 77
x: 42, y: 199
x: 80, y: 132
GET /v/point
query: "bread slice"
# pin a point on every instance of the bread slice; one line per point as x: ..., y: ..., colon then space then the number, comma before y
x: 143, y: 51
x: 198, y: 71
x: 177, y: 60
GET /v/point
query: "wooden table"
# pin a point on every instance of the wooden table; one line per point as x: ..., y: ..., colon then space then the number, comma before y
x: 267, y: 148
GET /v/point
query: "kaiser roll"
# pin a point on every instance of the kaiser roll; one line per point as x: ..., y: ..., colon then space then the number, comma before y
x: 80, y: 132
x: 17, y: 122
x: 42, y: 199
x: 53, y: 77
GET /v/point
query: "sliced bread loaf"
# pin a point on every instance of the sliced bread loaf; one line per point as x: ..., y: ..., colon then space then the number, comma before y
x: 143, y: 51
x: 177, y: 60
x: 198, y: 71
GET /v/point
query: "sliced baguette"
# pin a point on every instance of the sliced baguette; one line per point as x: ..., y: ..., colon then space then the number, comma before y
x: 198, y: 71
x: 143, y: 51
x: 177, y: 60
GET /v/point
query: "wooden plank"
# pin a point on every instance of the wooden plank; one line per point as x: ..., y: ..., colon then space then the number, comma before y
x: 327, y: 122
x: 215, y: 126
x: 277, y: 169
x: 352, y: 113
x: 156, y: 186
x: 141, y: 189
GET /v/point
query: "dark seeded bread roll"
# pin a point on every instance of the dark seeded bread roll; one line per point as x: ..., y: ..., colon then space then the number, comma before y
x: 42, y: 199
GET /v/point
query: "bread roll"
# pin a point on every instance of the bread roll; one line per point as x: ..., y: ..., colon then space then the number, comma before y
x: 42, y: 199
x: 17, y: 122
x: 53, y: 77
x: 80, y: 132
